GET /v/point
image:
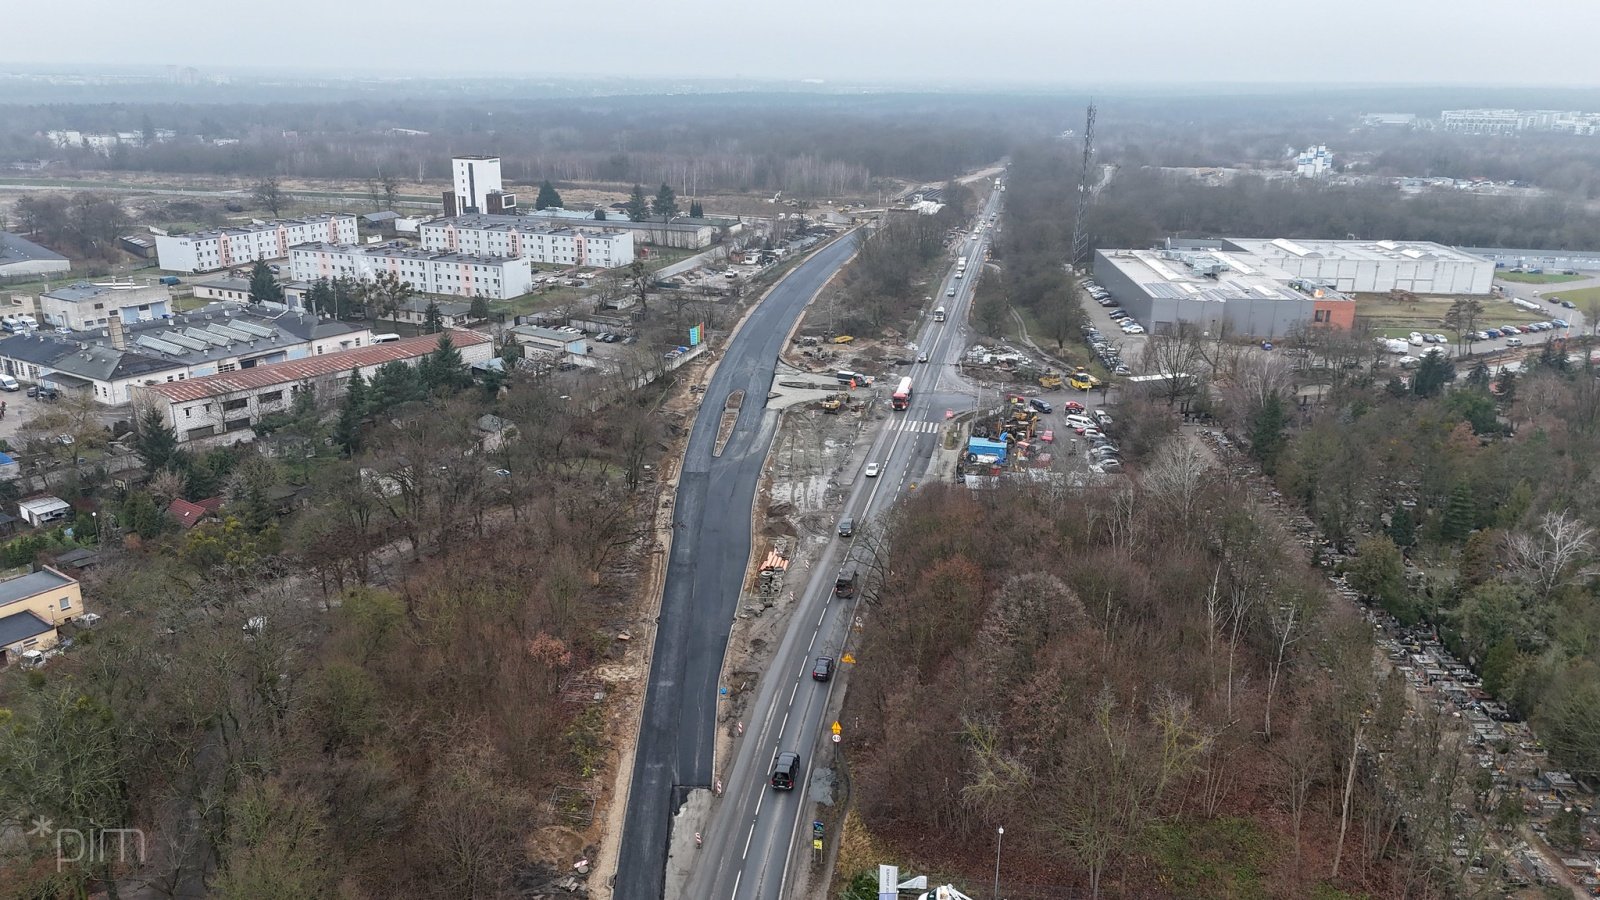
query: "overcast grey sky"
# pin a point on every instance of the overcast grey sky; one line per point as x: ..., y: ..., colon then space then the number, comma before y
x: 1038, y: 41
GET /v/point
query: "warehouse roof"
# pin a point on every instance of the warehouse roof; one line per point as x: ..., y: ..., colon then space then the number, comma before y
x: 1364, y: 251
x: 16, y: 249
x: 296, y: 370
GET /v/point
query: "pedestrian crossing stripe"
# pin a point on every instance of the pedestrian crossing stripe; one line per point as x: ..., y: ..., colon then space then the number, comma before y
x: 917, y: 427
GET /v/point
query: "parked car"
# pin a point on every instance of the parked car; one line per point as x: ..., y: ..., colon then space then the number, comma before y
x: 1135, y: 328
x: 1122, y: 370
x: 1568, y: 304
x: 1078, y: 422
x: 1108, y: 466
x: 7, y: 383
x: 1561, y: 323
x: 1103, y: 417
x: 822, y: 670
x: 1514, y: 342
x: 1040, y: 405
x: 1415, y: 339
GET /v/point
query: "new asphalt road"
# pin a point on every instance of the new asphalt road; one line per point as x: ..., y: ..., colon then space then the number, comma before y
x: 756, y: 833
x: 710, y: 553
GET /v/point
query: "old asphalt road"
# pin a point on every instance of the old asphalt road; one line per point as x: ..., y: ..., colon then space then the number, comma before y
x: 710, y: 551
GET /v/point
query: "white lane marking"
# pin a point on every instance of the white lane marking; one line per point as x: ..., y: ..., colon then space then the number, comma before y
x: 813, y: 641
x: 747, y: 840
x: 736, y: 877
x: 793, y: 691
x: 785, y: 723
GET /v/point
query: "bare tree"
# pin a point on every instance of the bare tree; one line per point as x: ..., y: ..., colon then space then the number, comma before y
x: 1177, y: 478
x: 1556, y: 555
x: 269, y: 193
x: 1284, y: 619
x: 1179, y: 359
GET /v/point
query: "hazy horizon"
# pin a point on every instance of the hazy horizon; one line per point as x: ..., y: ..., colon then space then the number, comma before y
x: 938, y: 43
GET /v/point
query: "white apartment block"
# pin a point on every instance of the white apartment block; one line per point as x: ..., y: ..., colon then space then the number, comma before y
x: 476, y: 187
x: 538, y: 242
x: 458, y: 274
x: 208, y: 251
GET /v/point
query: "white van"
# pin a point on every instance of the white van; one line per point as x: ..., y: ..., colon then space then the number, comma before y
x: 387, y: 338
x: 7, y: 383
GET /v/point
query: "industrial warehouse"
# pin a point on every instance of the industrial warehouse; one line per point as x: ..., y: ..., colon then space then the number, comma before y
x: 1268, y: 287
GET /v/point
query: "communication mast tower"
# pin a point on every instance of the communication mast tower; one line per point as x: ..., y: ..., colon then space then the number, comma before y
x: 1080, y: 231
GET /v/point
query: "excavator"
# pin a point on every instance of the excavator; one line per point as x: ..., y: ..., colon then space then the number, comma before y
x: 835, y: 402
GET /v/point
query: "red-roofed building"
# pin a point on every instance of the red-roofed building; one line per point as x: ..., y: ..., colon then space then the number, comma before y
x: 188, y: 515
x: 224, y: 407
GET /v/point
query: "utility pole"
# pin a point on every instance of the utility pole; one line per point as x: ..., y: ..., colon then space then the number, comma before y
x: 1080, y: 233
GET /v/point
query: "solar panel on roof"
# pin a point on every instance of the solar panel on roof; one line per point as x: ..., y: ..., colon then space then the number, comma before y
x: 158, y: 345
x: 253, y: 328
x: 200, y: 334
x: 184, y: 340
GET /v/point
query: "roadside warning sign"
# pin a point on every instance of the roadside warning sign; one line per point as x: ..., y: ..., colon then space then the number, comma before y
x: 837, y: 728
x: 848, y: 659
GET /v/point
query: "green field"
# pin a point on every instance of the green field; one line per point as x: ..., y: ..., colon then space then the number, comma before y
x: 1427, y: 315
x: 1541, y: 278
x: 1580, y: 296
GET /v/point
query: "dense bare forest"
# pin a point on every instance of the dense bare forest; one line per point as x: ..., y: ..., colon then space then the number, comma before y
x: 362, y: 693
x: 1146, y: 686
x: 811, y: 145
x: 1142, y: 206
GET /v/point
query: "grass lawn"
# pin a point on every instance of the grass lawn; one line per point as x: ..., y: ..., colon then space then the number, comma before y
x: 1579, y: 296
x: 1541, y: 278
x: 539, y: 300
x: 1427, y: 315
x: 666, y: 256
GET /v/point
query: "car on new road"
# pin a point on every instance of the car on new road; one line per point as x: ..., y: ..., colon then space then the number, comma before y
x: 872, y: 470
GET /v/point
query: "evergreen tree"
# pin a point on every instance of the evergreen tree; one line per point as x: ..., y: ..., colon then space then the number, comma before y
x: 347, y: 430
x: 1507, y: 384
x: 1435, y: 371
x: 394, y: 383
x: 1266, y: 431
x: 1460, y: 515
x: 154, y: 442
x: 432, y: 319
x: 1396, y: 387
x: 511, y: 352
x: 320, y: 299
x: 443, y: 369
x: 547, y: 196
x: 600, y: 215
x: 1402, y: 527
x: 1478, y: 376
x: 263, y: 287
x: 637, y: 207
x: 666, y: 203
x: 141, y: 516
x: 695, y: 210
x: 480, y: 308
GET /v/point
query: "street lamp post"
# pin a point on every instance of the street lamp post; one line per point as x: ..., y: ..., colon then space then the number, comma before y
x: 999, y: 838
